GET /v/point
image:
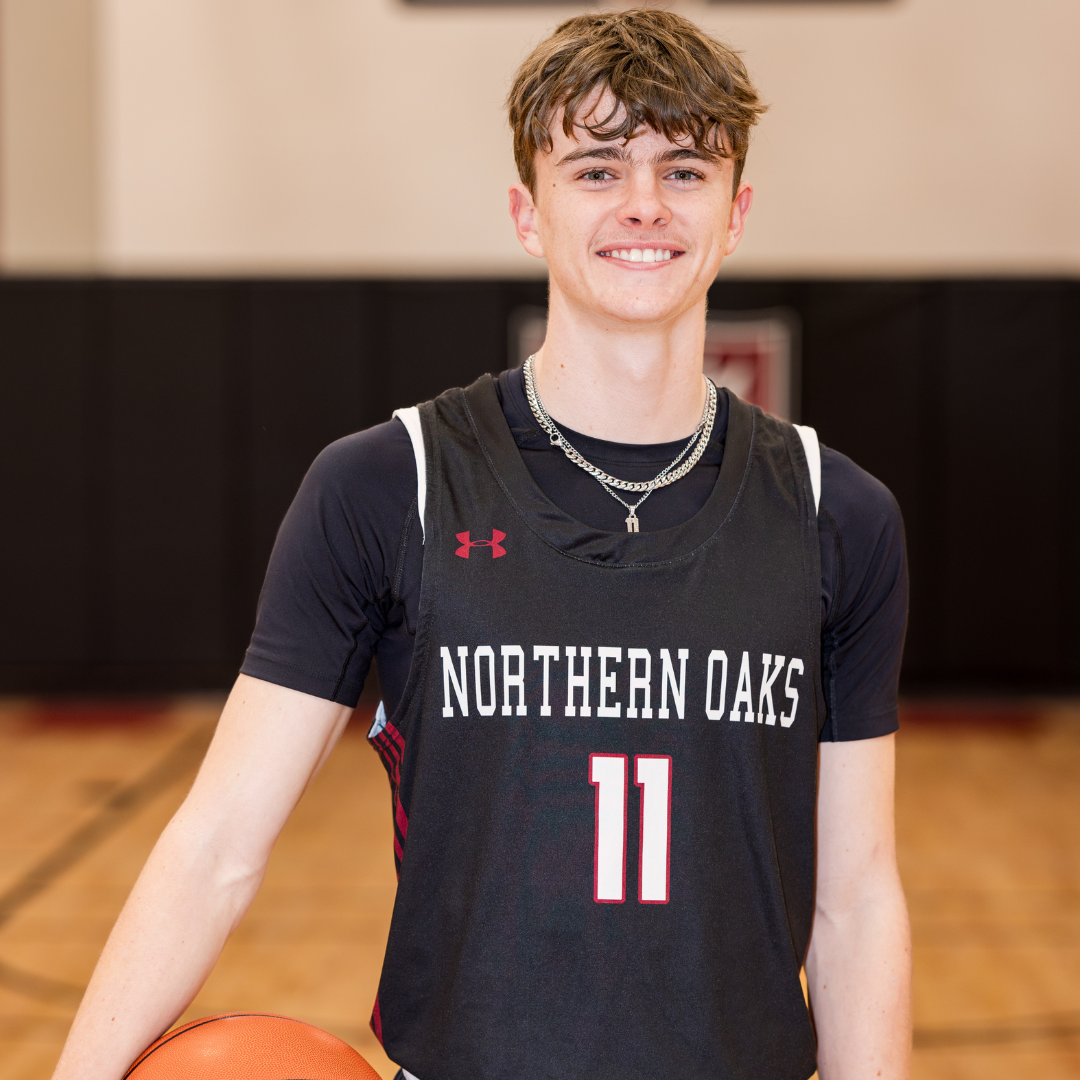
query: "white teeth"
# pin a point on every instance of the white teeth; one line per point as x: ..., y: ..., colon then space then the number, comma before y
x: 642, y: 254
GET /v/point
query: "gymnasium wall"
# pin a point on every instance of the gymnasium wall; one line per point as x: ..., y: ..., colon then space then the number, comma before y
x: 314, y: 137
x: 234, y: 230
x: 152, y: 434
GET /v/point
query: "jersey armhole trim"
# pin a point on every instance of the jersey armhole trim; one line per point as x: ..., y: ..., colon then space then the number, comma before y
x: 411, y: 419
x: 379, y: 722
x: 812, y: 450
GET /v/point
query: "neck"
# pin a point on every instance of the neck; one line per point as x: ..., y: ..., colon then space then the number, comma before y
x: 623, y: 384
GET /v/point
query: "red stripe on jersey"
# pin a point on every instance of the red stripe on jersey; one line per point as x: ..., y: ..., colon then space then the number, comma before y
x: 376, y: 1021
x: 391, y: 749
x: 395, y: 735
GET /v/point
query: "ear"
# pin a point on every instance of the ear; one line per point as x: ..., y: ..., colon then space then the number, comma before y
x: 523, y: 211
x: 740, y: 207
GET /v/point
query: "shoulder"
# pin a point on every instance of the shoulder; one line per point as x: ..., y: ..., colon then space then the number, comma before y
x: 375, y: 457
x: 369, y: 474
x: 862, y: 538
x: 356, y: 495
x: 864, y: 599
x: 345, y: 524
x: 864, y: 558
x: 331, y: 573
x: 861, y: 506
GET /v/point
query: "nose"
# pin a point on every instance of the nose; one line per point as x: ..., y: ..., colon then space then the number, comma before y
x: 644, y: 206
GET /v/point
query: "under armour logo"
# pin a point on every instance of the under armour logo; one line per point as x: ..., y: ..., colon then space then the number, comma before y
x: 496, y: 547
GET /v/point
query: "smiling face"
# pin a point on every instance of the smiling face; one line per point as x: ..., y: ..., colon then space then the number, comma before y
x: 633, y: 232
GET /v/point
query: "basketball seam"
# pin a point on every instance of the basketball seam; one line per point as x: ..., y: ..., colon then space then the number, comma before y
x: 166, y: 1039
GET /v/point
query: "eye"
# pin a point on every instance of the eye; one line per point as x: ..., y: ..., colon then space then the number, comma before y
x: 595, y: 176
x: 684, y: 175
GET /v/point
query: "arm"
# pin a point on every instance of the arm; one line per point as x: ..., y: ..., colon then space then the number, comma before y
x: 202, y: 875
x: 858, y: 965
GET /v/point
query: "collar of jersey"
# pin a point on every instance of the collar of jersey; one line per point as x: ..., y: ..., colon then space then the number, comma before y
x: 580, y: 541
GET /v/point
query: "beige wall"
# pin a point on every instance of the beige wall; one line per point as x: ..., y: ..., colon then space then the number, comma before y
x: 48, y: 135
x: 366, y: 136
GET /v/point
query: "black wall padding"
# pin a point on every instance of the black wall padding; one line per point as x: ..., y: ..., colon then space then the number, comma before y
x: 152, y: 434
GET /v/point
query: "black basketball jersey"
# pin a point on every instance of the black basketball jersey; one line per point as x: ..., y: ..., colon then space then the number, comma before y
x: 604, y: 773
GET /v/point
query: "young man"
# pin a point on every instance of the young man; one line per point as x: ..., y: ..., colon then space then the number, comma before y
x: 637, y: 642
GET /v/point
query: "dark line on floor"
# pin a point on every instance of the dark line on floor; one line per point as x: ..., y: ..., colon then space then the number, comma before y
x: 120, y: 808
x: 128, y: 801
x: 40, y: 987
x: 1051, y: 1028
x: 46, y: 1029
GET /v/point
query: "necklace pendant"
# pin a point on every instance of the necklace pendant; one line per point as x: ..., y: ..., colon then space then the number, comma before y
x: 632, y: 522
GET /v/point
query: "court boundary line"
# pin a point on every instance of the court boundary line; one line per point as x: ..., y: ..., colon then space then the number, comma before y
x: 121, y: 807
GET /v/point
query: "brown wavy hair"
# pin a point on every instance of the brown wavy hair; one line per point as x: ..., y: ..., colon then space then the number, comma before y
x: 663, y: 72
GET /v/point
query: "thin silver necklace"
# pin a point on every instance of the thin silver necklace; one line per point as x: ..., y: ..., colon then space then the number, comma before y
x: 675, y: 471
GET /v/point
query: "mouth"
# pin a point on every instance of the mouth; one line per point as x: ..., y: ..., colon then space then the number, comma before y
x: 641, y: 255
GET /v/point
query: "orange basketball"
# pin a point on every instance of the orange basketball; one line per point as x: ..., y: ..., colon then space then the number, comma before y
x: 250, y: 1046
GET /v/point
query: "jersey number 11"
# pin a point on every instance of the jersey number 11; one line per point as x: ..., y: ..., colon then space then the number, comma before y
x: 652, y: 773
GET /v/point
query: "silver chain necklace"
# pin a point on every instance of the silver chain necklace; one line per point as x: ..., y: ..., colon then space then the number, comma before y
x: 675, y: 471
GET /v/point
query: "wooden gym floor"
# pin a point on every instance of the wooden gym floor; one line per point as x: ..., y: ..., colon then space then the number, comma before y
x: 988, y: 812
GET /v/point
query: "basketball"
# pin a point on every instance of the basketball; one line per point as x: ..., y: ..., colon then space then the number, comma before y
x: 250, y: 1046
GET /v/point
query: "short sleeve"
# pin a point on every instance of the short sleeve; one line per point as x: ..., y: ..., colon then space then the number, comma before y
x: 864, y: 600
x: 328, y: 587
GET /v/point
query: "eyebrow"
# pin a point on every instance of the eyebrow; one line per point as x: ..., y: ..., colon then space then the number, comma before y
x: 618, y: 153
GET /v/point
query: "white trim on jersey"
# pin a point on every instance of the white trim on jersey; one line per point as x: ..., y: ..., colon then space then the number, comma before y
x: 408, y: 1075
x: 379, y: 722
x: 411, y: 419
x: 812, y: 450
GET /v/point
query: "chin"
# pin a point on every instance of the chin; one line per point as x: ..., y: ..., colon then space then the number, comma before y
x: 642, y: 309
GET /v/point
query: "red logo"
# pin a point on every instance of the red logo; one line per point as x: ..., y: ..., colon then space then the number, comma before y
x: 494, y: 543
